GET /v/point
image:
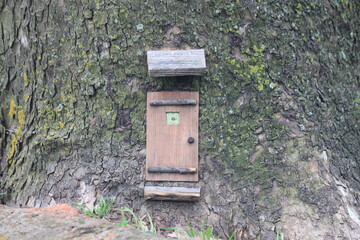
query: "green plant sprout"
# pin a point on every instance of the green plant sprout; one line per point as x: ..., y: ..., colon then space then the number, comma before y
x: 100, y: 210
x: 124, y: 221
x: 139, y: 222
x: 105, y: 205
x: 205, y: 233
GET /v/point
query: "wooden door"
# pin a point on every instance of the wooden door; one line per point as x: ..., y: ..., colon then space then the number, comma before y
x: 172, y: 136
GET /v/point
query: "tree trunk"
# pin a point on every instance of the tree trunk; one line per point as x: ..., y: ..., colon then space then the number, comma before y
x: 279, y: 109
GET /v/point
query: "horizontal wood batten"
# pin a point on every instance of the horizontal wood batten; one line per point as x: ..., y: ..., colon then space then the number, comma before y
x: 176, y: 63
x: 171, y: 193
x: 171, y: 170
x: 177, y: 102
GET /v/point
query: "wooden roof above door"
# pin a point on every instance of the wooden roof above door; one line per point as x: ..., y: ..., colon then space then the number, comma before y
x: 168, y: 63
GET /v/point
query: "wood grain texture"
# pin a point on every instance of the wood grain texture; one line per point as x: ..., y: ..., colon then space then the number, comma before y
x: 176, y: 63
x: 167, y: 145
x: 172, y: 170
x: 171, y: 193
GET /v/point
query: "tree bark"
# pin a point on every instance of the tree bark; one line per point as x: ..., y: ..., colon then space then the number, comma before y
x: 279, y: 109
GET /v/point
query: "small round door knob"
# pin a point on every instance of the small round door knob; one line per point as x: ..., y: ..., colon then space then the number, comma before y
x: 191, y: 140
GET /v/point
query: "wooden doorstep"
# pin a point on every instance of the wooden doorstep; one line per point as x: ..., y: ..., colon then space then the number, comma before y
x: 171, y: 193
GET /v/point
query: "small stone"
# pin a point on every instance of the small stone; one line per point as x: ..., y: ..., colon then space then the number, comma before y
x: 60, y: 107
x: 24, y: 41
x: 140, y: 27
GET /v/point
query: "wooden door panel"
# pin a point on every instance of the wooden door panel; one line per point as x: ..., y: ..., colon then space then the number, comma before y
x: 167, y: 145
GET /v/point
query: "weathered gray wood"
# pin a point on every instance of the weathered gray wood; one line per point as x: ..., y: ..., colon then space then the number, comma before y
x: 171, y: 193
x: 171, y: 170
x: 176, y: 62
x: 173, y: 102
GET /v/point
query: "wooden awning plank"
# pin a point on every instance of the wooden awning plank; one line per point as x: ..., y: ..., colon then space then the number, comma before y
x: 166, y: 63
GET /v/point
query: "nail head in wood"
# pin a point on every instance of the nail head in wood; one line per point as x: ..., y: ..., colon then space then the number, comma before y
x: 168, y: 63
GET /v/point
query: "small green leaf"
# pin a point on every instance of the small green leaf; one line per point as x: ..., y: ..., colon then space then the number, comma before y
x: 171, y: 228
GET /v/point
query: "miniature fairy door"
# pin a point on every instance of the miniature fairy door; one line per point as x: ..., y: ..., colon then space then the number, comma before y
x: 172, y: 136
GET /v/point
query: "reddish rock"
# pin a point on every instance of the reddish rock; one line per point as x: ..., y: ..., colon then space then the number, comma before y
x: 61, y: 221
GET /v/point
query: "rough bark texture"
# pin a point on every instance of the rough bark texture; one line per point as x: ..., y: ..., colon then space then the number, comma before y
x: 279, y: 109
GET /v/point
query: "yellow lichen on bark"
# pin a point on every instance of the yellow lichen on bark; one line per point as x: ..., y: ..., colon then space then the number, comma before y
x: 26, y: 80
x: 21, y: 118
x: 12, y: 108
x: 21, y: 122
x: 13, y: 147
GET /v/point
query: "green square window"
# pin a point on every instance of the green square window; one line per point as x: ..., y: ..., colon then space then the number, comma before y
x: 172, y: 118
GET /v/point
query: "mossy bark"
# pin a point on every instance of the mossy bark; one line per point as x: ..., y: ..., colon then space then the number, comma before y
x: 279, y: 109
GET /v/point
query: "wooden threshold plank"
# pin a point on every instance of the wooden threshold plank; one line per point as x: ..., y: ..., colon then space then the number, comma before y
x: 171, y: 193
